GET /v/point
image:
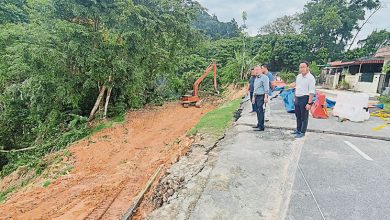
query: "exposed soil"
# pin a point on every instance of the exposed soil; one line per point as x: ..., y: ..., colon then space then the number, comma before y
x: 110, y: 168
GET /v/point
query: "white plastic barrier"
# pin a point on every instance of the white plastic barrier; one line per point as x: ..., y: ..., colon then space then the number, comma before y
x: 352, y: 106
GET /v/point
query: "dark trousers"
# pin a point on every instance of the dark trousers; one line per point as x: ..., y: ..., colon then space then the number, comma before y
x: 301, y: 113
x: 253, y: 105
x: 259, y: 102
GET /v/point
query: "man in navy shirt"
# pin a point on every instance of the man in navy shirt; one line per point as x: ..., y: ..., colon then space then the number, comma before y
x: 251, y: 83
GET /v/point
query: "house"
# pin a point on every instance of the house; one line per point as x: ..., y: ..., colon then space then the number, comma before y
x: 363, y: 75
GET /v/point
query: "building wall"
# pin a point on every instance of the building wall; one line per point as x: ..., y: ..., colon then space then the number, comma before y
x: 368, y: 87
x: 332, y: 81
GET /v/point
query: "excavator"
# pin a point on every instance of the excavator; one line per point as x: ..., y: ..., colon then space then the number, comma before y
x: 193, y: 98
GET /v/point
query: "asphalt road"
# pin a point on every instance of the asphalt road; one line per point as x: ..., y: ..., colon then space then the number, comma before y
x: 341, y: 178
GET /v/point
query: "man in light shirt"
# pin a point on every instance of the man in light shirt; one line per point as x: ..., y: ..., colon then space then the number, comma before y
x: 304, y: 93
x: 260, y: 96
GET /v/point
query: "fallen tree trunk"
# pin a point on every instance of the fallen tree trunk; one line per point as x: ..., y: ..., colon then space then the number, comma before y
x: 107, y: 101
x: 108, y: 96
x: 18, y: 150
x: 129, y: 214
x: 97, y: 103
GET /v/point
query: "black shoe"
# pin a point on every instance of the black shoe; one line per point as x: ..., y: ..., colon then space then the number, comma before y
x: 255, y: 126
x: 295, y: 132
x: 259, y: 129
x: 300, y: 135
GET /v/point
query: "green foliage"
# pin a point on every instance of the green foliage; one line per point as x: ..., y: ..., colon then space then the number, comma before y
x: 231, y: 72
x: 330, y: 23
x: 384, y: 99
x: 373, y: 41
x: 287, y: 24
x: 314, y: 69
x: 287, y: 76
x: 46, y: 183
x: 386, y: 68
x: 55, y: 55
x: 344, y: 85
x: 368, y: 46
x: 13, y: 11
x: 4, y: 194
x: 213, y: 28
x: 280, y: 51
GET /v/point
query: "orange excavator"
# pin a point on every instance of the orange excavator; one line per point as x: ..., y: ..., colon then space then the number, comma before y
x: 193, y: 98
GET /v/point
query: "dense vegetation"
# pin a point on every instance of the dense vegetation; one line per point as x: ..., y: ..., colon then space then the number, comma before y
x: 63, y: 63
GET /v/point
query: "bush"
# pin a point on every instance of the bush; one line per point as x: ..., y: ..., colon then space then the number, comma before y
x: 386, y: 68
x: 314, y: 69
x: 384, y: 99
x: 344, y: 85
x: 287, y: 76
x: 230, y: 73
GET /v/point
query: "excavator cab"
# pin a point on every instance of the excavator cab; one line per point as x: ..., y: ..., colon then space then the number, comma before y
x: 192, y: 98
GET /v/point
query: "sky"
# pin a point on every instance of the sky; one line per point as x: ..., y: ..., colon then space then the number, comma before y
x: 262, y: 12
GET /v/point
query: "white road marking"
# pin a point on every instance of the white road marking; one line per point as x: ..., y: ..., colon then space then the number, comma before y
x: 311, y: 192
x: 365, y: 156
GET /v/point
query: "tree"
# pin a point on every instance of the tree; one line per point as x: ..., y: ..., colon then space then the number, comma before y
x: 369, y: 46
x: 289, y: 51
x: 373, y: 41
x: 13, y: 11
x: 314, y: 69
x: 54, y: 65
x: 287, y: 24
x: 330, y: 23
x: 213, y: 28
x: 244, y: 36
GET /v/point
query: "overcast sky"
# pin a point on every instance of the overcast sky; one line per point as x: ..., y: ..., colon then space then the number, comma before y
x: 261, y: 12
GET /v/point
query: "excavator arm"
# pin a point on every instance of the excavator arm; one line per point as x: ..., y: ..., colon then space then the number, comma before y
x: 212, y: 66
x: 187, y: 100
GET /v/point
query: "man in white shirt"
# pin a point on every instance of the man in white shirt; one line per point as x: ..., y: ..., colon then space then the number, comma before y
x: 304, y: 93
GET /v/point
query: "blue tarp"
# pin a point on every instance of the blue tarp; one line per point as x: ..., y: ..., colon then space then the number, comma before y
x: 288, y: 98
x: 277, y: 88
x: 330, y: 103
x: 380, y: 106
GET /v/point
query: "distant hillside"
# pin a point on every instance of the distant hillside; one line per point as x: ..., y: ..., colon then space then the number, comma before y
x: 215, y: 29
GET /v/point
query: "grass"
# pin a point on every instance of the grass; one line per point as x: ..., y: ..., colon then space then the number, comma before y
x: 385, y: 100
x: 116, y: 120
x: 387, y: 106
x: 4, y: 194
x: 46, y: 183
x: 216, y: 121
